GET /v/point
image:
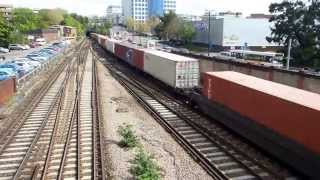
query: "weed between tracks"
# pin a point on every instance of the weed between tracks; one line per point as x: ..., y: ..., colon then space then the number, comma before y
x: 143, y: 166
x: 128, y: 139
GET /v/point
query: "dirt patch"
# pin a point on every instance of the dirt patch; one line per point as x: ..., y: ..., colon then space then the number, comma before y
x: 119, y: 108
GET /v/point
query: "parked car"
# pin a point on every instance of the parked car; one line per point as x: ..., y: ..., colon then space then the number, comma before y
x: 2, y: 58
x: 26, y: 46
x: 37, y: 57
x: 24, y: 65
x: 33, y: 45
x: 4, y: 50
x: 17, y: 69
x: 7, y: 73
x: 16, y: 47
x: 41, y: 41
x: 27, y: 61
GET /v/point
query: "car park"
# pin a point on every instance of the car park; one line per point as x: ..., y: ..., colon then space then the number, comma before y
x: 37, y: 57
x: 7, y: 73
x: 4, y: 75
x: 16, y: 47
x: 27, y: 67
x: 40, y: 42
x: 20, y: 72
x: 4, y: 50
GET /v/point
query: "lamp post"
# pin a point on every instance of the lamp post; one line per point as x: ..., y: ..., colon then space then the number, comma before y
x: 289, y: 53
x: 209, y: 33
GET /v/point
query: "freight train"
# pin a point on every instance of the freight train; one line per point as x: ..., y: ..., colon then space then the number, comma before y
x: 282, y: 120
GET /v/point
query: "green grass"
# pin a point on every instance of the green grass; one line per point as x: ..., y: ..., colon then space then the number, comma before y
x: 143, y: 167
x: 128, y: 139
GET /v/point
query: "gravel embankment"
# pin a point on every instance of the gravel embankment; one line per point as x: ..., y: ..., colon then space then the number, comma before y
x: 120, y: 107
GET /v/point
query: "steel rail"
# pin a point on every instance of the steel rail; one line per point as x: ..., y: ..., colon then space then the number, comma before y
x: 131, y: 83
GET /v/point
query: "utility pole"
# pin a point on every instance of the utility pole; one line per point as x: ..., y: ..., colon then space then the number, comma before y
x: 209, y: 32
x: 289, y: 53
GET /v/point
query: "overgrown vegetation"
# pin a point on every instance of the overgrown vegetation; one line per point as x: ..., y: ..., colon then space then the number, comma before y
x: 128, y: 139
x: 144, y: 167
x: 300, y: 21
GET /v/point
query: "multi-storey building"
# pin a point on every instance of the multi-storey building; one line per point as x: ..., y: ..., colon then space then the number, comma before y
x: 6, y: 11
x: 136, y: 9
x: 114, y: 14
x: 169, y: 5
x: 141, y: 10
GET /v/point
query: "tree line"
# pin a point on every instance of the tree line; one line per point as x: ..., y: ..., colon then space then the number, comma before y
x: 169, y: 26
x: 299, y: 21
x: 24, y: 20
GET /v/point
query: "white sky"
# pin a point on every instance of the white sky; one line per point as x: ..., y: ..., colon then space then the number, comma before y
x: 98, y: 7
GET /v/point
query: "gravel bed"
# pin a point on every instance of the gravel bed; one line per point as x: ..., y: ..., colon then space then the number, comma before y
x: 119, y: 108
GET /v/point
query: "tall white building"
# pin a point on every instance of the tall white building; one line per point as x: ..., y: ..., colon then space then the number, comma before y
x: 141, y: 10
x: 114, y: 14
x: 169, y: 5
x: 136, y: 9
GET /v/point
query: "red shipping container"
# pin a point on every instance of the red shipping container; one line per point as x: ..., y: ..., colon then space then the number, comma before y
x: 291, y: 112
x: 131, y: 55
x: 138, y: 58
x: 120, y: 51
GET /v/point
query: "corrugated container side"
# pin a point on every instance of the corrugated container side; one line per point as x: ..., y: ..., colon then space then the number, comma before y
x: 120, y: 51
x: 187, y: 74
x: 294, y: 121
x: 177, y: 74
x: 138, y: 58
x: 110, y: 45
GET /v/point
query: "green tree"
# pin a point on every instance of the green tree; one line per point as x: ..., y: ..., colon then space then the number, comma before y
x: 5, y: 30
x: 81, y: 19
x: 25, y: 20
x: 186, y: 31
x: 70, y: 21
x: 130, y: 23
x: 18, y: 37
x: 168, y: 29
x: 153, y: 22
x: 52, y: 16
x: 298, y: 21
x: 142, y: 27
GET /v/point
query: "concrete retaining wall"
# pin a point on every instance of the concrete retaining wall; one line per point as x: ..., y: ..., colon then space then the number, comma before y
x: 299, y: 80
x: 7, y: 90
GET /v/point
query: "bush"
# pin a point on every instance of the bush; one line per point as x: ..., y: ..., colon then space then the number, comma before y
x: 128, y: 139
x: 144, y: 168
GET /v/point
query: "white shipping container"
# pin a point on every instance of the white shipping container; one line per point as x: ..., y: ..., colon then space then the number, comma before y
x: 110, y: 45
x: 174, y: 70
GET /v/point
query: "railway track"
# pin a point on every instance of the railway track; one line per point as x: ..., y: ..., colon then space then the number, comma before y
x: 57, y: 136
x: 217, y: 150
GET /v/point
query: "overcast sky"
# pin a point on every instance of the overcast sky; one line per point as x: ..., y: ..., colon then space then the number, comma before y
x: 98, y: 7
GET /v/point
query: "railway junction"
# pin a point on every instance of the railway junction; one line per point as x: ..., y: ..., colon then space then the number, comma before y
x: 67, y: 128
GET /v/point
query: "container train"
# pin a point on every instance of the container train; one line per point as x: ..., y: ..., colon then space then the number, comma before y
x: 282, y: 120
